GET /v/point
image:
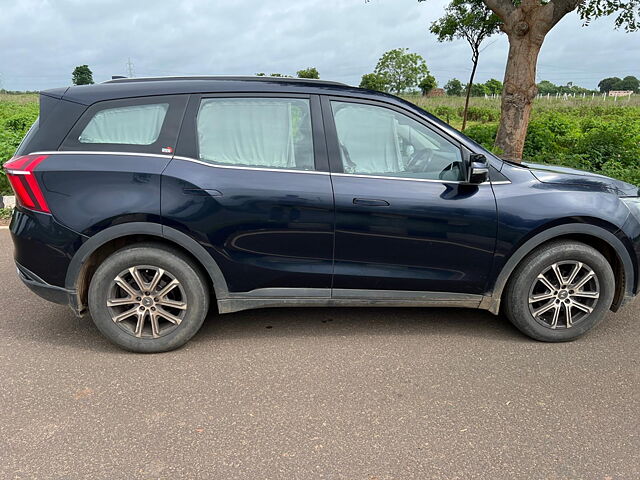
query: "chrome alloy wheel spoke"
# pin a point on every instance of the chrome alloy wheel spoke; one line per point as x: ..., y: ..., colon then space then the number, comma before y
x: 564, y: 294
x: 147, y: 301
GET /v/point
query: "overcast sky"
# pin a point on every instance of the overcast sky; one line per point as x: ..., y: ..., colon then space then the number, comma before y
x: 41, y: 41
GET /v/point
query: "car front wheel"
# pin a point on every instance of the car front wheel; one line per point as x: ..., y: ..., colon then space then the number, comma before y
x: 560, y: 291
x: 148, y: 298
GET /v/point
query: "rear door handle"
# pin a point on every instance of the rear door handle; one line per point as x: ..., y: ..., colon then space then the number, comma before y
x: 370, y: 202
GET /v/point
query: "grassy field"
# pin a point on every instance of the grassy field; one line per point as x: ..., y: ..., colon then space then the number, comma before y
x: 596, y: 134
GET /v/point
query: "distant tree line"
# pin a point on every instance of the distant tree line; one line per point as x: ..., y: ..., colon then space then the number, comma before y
x: 628, y: 83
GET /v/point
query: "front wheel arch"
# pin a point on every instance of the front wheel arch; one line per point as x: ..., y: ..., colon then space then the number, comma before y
x: 597, y: 237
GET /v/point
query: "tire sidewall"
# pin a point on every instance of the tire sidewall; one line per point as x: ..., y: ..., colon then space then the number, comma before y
x: 518, y: 292
x: 187, y: 274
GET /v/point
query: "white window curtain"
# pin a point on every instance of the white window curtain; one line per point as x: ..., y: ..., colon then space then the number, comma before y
x: 252, y: 132
x: 368, y: 136
x: 133, y: 125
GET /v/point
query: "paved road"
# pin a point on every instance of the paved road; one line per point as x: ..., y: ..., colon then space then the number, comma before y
x: 316, y: 393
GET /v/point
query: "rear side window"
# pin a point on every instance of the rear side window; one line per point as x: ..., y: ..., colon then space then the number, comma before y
x: 256, y: 132
x: 134, y: 125
x: 145, y: 125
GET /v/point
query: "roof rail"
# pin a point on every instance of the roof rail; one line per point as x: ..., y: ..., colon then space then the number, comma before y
x: 249, y: 78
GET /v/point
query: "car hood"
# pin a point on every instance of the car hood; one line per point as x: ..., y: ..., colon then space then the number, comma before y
x: 573, y: 176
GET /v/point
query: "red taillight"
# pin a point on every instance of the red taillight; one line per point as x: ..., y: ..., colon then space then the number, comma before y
x: 20, y: 174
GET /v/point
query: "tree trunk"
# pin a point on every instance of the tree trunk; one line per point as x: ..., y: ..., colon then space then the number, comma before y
x: 526, y: 27
x: 517, y: 97
x: 469, y: 85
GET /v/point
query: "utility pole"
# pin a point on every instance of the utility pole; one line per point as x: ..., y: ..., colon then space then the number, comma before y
x: 130, y: 68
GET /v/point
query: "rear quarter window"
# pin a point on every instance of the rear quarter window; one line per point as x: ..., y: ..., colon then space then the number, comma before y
x: 145, y: 125
x: 134, y: 125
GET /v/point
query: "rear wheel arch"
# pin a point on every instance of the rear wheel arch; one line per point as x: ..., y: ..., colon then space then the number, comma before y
x: 597, y: 237
x: 98, y: 247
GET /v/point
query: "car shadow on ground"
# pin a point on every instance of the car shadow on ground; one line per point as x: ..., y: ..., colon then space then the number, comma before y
x: 344, y: 321
x: 63, y: 329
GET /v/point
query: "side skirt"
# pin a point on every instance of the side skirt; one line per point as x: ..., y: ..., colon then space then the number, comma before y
x: 321, y: 297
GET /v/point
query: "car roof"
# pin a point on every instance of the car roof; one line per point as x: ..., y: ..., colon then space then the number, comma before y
x: 151, y: 86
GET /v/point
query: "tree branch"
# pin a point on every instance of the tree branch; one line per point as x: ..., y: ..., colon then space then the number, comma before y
x: 502, y: 8
x: 561, y: 8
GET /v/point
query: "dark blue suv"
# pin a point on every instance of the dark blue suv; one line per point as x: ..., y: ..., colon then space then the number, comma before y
x: 146, y: 201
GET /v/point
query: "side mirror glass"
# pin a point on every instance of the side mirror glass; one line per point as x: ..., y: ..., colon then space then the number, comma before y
x: 478, y: 169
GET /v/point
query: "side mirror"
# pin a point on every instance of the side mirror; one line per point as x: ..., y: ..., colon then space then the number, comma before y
x: 478, y: 169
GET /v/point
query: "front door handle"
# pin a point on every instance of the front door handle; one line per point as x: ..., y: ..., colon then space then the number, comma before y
x: 370, y: 202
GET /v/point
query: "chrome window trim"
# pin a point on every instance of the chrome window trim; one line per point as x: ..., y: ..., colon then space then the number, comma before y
x: 105, y: 152
x: 261, y: 169
x: 238, y: 167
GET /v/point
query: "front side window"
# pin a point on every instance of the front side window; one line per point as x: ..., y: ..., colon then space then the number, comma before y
x: 256, y: 132
x: 381, y: 142
x: 131, y: 125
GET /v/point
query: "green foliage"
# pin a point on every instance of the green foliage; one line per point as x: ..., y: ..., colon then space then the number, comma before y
x: 470, y: 20
x: 262, y: 74
x: 82, y: 75
x: 481, y: 114
x: 627, y: 12
x: 545, y: 87
x: 373, y: 81
x: 478, y: 90
x: 16, y: 118
x: 401, y: 70
x: 484, y: 134
x: 493, y: 87
x: 453, y: 87
x: 311, y: 72
x: 615, y: 83
x: 5, y: 213
x: 427, y: 84
x: 594, y: 135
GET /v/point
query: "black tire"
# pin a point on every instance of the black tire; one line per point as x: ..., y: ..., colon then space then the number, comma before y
x: 192, y: 289
x: 525, y: 280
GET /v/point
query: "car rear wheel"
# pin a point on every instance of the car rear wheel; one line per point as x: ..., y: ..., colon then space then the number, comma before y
x: 148, y: 298
x: 560, y: 291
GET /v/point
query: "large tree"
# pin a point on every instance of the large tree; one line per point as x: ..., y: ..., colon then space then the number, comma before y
x: 526, y: 24
x: 82, y: 75
x: 472, y: 21
x: 401, y: 70
x: 453, y: 87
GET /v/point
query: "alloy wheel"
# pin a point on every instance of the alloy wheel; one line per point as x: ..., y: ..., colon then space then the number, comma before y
x: 564, y: 294
x: 146, y: 301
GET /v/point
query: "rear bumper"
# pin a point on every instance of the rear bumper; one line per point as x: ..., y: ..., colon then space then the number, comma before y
x: 49, y: 292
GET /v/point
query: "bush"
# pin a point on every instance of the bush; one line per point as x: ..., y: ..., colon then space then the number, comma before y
x: 481, y: 114
x: 15, y: 120
x: 5, y: 213
x: 484, y: 134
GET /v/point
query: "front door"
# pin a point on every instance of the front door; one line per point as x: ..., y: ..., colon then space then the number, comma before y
x: 404, y: 219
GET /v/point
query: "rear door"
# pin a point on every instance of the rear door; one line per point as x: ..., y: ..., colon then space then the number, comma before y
x: 250, y: 182
x: 405, y: 221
